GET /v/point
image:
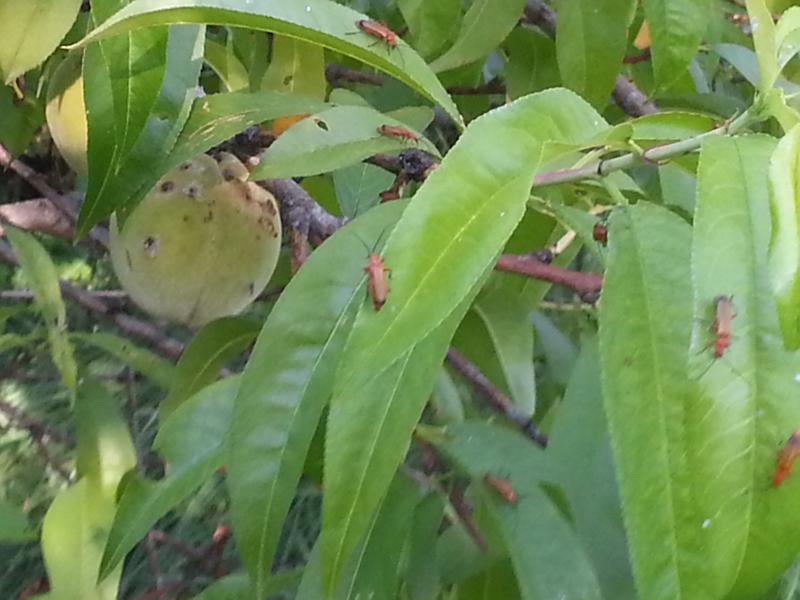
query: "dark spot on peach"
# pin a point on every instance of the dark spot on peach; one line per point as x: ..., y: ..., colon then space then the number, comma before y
x: 251, y: 287
x: 321, y: 124
x: 185, y: 218
x: 150, y: 246
x: 192, y: 191
x: 209, y: 217
x: 288, y: 79
x: 227, y: 174
x: 167, y: 186
x: 185, y: 166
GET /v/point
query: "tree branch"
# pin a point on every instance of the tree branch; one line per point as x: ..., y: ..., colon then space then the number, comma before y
x: 37, y: 182
x: 497, y: 399
x: 37, y: 215
x: 625, y: 93
x: 603, y: 167
x: 530, y: 266
x: 129, y: 326
x: 300, y: 211
x: 337, y: 75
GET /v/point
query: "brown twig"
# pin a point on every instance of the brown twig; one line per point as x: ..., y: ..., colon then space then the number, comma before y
x: 531, y: 266
x: 130, y: 326
x: 464, y: 513
x: 40, y: 586
x: 116, y: 296
x: 37, y: 215
x: 37, y: 182
x: 495, y: 86
x: 300, y: 211
x: 497, y: 399
x: 32, y: 425
x: 152, y: 560
x: 625, y: 94
x: 169, y: 590
x: 338, y: 74
x: 164, y: 538
x: 637, y: 58
x: 40, y: 434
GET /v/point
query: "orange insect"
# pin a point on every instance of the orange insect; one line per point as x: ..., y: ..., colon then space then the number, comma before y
x: 722, y: 325
x: 379, y: 31
x: 502, y: 487
x: 786, y: 457
x: 600, y: 233
x: 398, y: 132
x: 377, y: 286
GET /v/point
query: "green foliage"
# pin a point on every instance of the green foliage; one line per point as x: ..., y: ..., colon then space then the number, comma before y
x: 653, y: 339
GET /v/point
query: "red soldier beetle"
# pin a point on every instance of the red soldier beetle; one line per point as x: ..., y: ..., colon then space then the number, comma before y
x: 721, y: 328
x: 377, y: 285
x: 600, y: 234
x: 398, y: 132
x: 379, y: 31
x: 502, y: 487
x: 723, y: 324
x: 786, y: 457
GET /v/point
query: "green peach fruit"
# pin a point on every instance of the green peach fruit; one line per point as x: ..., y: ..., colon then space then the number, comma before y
x: 66, y: 113
x: 202, y: 244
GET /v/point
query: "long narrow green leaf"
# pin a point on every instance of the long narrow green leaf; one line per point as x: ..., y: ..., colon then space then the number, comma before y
x: 431, y: 25
x: 226, y: 65
x: 591, y: 39
x: 31, y: 31
x: 645, y: 321
x: 214, y: 119
x: 14, y: 525
x: 118, y: 178
x: 459, y: 220
x: 136, y: 64
x: 739, y: 402
x: 582, y: 463
x: 192, y: 443
x: 485, y: 26
x: 76, y: 524
x: 334, y: 138
x: 149, y: 364
x: 238, y: 586
x: 316, y: 21
x: 507, y: 319
x: 375, y: 568
x: 42, y: 277
x: 369, y: 431
x: 296, y: 67
x: 421, y: 572
x: 286, y: 384
x: 676, y: 29
x: 764, y: 41
x: 212, y: 347
x: 784, y: 250
x: 547, y: 557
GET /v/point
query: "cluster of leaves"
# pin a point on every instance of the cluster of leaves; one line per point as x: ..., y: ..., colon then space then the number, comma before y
x: 657, y: 480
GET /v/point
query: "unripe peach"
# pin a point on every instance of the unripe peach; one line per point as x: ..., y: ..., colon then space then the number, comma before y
x: 202, y: 244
